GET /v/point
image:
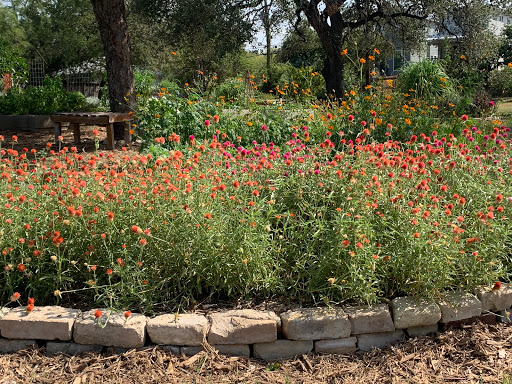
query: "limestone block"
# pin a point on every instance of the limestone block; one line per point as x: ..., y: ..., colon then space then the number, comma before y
x: 53, y: 348
x: 497, y: 299
x: 110, y: 331
x: 315, y: 324
x: 422, y: 330
x: 409, y: 312
x: 242, y: 327
x: 242, y: 350
x: 8, y: 346
x: 459, y: 306
x: 182, y: 329
x: 282, y: 349
x: 341, y: 346
x: 379, y: 340
x: 375, y: 319
x: 43, y: 323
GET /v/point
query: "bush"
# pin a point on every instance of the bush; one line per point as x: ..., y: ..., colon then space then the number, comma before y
x: 500, y: 82
x: 45, y: 100
x: 428, y: 79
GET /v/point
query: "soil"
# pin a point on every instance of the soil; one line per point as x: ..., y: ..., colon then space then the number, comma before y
x: 39, y: 139
x: 477, y: 354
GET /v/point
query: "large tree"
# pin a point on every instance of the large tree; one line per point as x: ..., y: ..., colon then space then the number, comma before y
x: 111, y: 17
x: 334, y: 20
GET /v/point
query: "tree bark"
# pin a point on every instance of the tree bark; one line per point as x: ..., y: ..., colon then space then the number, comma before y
x: 111, y: 18
x: 333, y: 75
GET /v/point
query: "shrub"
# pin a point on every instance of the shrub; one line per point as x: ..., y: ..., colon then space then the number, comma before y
x: 500, y: 82
x: 45, y: 100
x: 428, y: 79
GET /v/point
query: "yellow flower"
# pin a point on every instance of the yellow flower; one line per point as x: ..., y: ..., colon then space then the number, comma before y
x: 408, y: 121
x: 352, y: 93
x: 376, y: 51
x: 362, y: 61
x: 463, y: 57
x: 344, y: 52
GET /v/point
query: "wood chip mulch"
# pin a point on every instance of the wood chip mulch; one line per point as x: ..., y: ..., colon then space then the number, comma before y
x: 477, y: 354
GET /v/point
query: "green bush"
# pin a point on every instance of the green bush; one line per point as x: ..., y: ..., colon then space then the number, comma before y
x: 45, y: 100
x: 500, y: 82
x: 428, y: 79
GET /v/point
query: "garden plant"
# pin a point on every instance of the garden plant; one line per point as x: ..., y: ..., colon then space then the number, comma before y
x: 355, y: 201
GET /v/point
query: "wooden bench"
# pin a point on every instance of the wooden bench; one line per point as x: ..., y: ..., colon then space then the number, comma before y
x: 75, y: 119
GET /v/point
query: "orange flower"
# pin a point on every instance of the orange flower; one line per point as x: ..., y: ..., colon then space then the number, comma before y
x: 416, y: 235
x: 98, y: 313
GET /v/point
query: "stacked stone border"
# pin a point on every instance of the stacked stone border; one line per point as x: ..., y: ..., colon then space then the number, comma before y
x: 248, y: 332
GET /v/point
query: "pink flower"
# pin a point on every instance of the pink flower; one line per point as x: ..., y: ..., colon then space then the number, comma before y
x: 464, y: 117
x: 207, y: 122
x: 263, y: 127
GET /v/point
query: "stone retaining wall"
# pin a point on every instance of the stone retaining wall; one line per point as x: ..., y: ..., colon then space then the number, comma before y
x: 247, y: 332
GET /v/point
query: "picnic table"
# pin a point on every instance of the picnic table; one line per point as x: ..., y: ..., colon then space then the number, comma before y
x: 76, y: 119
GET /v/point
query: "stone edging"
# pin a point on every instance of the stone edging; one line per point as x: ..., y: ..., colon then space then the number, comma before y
x: 247, y: 332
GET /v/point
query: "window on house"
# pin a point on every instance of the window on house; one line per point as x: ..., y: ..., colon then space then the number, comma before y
x: 500, y: 18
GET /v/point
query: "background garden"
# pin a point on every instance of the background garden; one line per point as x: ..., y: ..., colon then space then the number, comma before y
x: 254, y: 181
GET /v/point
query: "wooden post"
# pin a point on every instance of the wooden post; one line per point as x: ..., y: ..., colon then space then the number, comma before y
x: 58, y: 131
x: 110, y: 135
x: 76, y: 132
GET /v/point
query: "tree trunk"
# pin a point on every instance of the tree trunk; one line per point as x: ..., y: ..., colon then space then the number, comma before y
x: 333, y: 75
x: 111, y: 18
x: 268, y: 33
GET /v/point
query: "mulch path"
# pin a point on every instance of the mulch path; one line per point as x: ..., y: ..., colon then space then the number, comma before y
x: 477, y: 354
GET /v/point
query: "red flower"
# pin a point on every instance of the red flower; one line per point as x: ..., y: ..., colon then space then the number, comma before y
x: 31, y: 300
x: 497, y: 285
x: 21, y: 268
x: 15, y: 296
x: 98, y: 314
x: 127, y: 314
x: 109, y: 271
x: 30, y: 308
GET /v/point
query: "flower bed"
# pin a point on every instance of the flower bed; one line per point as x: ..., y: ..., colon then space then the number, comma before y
x: 324, y: 222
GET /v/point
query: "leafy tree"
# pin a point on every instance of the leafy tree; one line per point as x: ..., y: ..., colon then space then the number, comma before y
x: 505, y: 49
x: 203, y: 32
x: 63, y: 33
x: 335, y: 20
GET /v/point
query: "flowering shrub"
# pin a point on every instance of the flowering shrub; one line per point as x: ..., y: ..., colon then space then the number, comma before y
x: 328, y: 220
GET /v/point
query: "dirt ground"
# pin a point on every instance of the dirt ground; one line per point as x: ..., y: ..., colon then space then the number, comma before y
x: 39, y: 139
x: 476, y: 354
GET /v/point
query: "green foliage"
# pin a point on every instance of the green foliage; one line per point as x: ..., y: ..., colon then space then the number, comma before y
x: 231, y: 89
x: 63, y: 33
x: 45, y: 100
x: 144, y: 85
x: 500, y: 82
x: 428, y: 79
x: 505, y: 50
x: 12, y: 63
